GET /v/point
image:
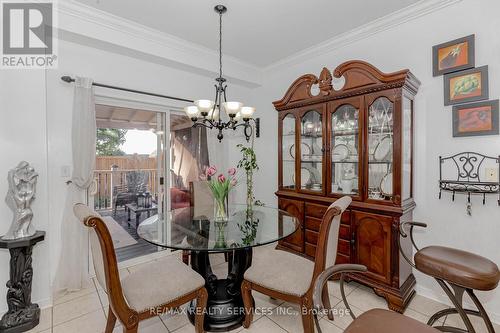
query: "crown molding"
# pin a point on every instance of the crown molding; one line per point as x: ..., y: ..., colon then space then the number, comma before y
x: 369, y: 29
x: 82, y: 24
x: 78, y: 19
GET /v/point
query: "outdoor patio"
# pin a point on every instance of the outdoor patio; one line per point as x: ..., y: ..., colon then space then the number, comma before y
x: 127, y: 243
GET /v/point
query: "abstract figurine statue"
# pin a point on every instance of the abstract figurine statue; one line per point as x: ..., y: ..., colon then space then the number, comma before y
x: 20, y: 196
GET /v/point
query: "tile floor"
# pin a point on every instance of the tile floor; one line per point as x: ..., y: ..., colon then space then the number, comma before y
x: 85, y: 311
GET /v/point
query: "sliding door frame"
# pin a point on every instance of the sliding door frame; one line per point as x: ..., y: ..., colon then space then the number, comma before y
x: 140, y: 102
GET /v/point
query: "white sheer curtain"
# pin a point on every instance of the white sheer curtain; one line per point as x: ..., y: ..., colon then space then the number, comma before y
x: 72, y: 271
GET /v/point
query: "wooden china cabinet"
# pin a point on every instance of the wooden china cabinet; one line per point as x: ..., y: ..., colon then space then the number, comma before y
x: 357, y: 141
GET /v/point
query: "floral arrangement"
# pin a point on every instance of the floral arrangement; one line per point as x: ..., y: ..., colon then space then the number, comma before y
x: 220, y: 187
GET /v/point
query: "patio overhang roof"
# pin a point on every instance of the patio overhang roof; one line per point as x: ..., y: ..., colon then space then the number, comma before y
x: 108, y: 116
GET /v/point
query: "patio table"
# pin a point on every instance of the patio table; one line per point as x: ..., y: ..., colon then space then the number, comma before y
x: 246, y: 228
x: 137, y: 210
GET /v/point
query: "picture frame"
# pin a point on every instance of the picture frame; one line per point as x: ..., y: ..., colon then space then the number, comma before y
x: 474, y: 119
x: 466, y: 86
x: 453, y: 56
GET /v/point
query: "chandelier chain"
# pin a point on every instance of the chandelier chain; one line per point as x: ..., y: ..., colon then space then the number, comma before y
x: 220, y: 44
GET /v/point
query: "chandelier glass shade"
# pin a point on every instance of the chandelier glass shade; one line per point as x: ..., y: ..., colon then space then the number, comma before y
x: 207, y: 113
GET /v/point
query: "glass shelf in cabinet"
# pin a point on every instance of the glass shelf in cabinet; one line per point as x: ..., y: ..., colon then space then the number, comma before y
x: 345, y: 133
x: 380, y: 162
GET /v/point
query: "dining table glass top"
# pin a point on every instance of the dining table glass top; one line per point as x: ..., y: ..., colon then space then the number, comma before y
x: 194, y: 228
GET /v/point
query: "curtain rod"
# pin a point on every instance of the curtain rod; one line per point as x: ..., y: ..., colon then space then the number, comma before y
x: 69, y: 79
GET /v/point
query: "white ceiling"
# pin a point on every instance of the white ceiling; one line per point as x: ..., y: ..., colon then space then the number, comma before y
x: 259, y: 32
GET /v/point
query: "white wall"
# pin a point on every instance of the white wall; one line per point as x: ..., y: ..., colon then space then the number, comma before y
x: 23, y: 136
x: 409, y: 46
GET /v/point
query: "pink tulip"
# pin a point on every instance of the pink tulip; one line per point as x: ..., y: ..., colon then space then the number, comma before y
x: 211, y: 171
x: 234, y: 182
x: 232, y: 171
x: 221, y: 178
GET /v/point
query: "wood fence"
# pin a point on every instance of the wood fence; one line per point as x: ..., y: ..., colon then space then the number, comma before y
x: 128, y: 162
x: 108, y: 179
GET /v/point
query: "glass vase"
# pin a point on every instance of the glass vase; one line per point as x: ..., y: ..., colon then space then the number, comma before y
x: 220, y: 209
x: 220, y: 240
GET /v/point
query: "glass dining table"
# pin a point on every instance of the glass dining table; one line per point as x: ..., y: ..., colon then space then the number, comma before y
x: 247, y: 227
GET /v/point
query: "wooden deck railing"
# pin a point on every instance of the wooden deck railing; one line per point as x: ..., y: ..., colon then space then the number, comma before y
x: 108, y: 179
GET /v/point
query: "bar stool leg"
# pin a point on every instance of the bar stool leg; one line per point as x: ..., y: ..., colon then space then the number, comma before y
x: 481, y: 313
x: 456, y: 297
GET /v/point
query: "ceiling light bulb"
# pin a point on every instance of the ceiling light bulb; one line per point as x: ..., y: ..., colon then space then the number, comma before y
x: 232, y: 108
x: 237, y: 117
x: 204, y: 105
x: 192, y: 111
x: 247, y: 112
x: 213, y: 114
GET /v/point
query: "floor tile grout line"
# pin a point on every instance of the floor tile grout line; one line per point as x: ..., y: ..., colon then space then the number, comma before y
x: 69, y: 300
x: 81, y: 315
x: 277, y: 323
x: 75, y: 318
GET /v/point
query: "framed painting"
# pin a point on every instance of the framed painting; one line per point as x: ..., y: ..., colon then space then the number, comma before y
x: 453, y: 56
x: 466, y: 86
x: 473, y: 119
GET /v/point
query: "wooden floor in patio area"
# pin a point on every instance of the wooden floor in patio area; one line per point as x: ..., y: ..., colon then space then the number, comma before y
x: 141, y: 248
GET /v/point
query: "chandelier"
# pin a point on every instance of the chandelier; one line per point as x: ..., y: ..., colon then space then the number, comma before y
x: 206, y: 113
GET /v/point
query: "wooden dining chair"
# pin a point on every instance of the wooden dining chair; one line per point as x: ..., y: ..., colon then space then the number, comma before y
x: 291, y: 278
x: 149, y: 291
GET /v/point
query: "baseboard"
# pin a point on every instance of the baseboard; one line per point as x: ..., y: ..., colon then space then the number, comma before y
x: 442, y: 298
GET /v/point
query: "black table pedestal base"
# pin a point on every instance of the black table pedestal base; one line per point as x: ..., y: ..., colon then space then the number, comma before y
x: 225, y: 310
x: 224, y: 313
x: 22, y: 315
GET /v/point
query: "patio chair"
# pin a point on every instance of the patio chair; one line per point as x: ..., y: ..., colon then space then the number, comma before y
x: 147, y: 292
x: 137, y: 181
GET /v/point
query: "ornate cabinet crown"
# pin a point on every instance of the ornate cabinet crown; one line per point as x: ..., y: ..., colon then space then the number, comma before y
x: 356, y: 140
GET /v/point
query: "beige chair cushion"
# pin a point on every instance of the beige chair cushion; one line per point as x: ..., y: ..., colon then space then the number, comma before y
x: 280, y: 271
x: 159, y: 282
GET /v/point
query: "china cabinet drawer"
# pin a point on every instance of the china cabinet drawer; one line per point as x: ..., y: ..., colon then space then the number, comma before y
x: 316, y: 211
x: 310, y: 250
x: 342, y: 259
x: 311, y: 237
x: 295, y: 241
x: 344, y: 247
x: 313, y: 223
x: 345, y: 232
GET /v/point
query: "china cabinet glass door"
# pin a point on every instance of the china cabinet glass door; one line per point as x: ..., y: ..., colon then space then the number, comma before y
x: 380, y: 149
x: 311, y: 151
x: 288, y: 152
x: 345, y: 150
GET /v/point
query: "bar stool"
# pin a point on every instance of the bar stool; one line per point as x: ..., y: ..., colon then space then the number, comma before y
x: 456, y: 271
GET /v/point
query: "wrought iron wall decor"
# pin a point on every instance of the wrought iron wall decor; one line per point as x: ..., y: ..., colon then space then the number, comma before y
x: 469, y: 167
